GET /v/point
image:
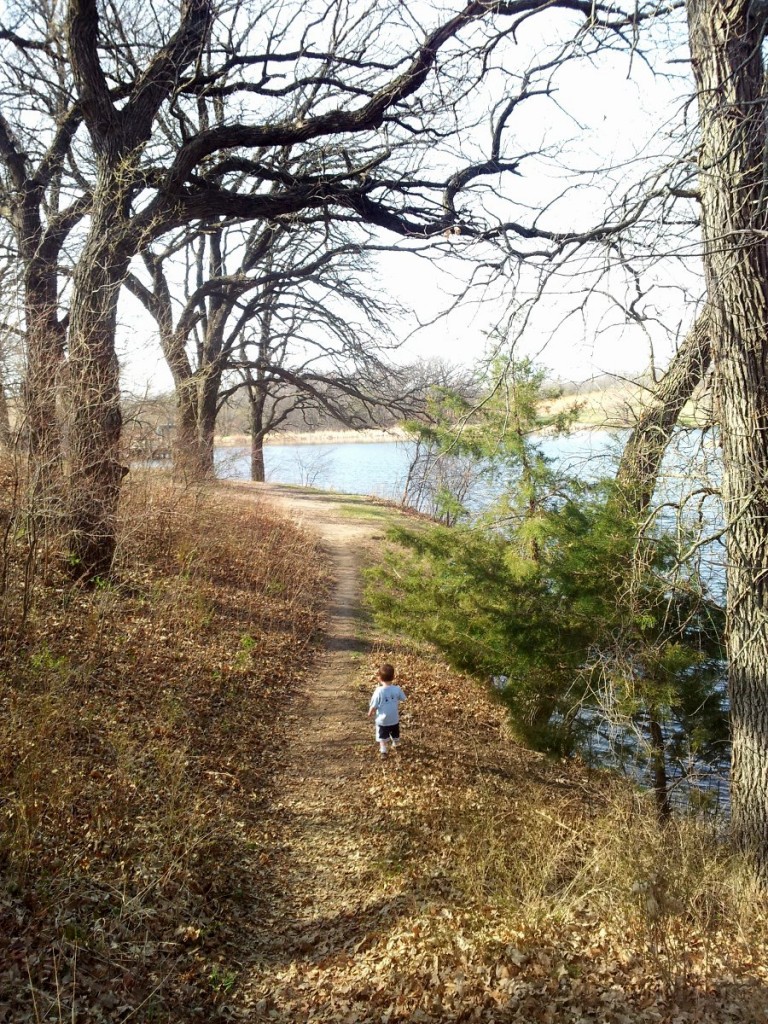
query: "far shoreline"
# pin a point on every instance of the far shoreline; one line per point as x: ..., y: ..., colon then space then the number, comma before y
x: 290, y: 437
x: 618, y: 410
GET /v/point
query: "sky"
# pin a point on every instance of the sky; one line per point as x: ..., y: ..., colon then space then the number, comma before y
x: 613, y: 112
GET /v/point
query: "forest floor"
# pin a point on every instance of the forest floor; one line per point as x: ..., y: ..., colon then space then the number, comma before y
x: 389, y: 891
x: 195, y: 825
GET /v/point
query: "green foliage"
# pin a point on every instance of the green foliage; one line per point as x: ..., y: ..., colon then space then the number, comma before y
x: 550, y: 597
x: 488, y: 443
x: 496, y: 611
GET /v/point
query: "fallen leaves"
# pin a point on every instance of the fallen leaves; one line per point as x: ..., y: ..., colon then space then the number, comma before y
x: 181, y: 862
x: 139, y: 736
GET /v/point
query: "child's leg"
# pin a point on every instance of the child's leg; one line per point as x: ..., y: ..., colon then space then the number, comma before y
x: 381, y: 740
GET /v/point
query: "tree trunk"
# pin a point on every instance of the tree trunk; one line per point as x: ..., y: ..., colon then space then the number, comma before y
x: 726, y: 50
x: 189, y: 459
x: 257, y: 436
x: 659, y: 768
x: 641, y: 459
x: 207, y: 415
x: 45, y: 359
x: 95, y: 470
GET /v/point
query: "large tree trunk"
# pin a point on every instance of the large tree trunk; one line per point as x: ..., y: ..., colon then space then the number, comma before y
x: 45, y: 359
x: 185, y: 455
x: 641, y: 459
x: 191, y: 459
x: 196, y: 413
x: 95, y: 469
x: 726, y: 47
x: 258, y: 470
x: 208, y: 411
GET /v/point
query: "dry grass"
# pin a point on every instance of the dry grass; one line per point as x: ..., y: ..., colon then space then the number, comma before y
x: 553, y: 889
x: 139, y: 728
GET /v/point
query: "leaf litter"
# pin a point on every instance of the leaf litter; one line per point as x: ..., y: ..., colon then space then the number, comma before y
x: 196, y: 826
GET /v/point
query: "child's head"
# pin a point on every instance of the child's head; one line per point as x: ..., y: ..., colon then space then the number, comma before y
x: 386, y: 673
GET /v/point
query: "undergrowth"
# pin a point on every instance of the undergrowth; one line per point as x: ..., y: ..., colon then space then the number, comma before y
x: 139, y: 723
x: 557, y: 876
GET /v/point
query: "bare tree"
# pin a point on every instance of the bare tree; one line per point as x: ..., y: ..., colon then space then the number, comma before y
x: 727, y: 57
x: 292, y: 284
x: 314, y: 337
x: 41, y: 201
x: 145, y: 187
x: 195, y: 341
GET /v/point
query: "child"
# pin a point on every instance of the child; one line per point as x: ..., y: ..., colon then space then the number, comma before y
x: 386, y: 701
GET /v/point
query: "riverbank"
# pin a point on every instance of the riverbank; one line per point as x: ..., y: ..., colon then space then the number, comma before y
x: 609, y: 409
x: 290, y: 437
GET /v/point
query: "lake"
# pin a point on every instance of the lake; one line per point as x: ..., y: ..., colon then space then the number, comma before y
x: 380, y: 468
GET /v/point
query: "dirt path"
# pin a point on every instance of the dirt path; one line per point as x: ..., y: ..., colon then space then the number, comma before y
x: 321, y: 902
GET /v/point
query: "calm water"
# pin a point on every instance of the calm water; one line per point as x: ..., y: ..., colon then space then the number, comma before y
x: 377, y: 469
x: 380, y: 469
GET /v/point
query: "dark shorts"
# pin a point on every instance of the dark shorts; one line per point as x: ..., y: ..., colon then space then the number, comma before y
x: 388, y: 732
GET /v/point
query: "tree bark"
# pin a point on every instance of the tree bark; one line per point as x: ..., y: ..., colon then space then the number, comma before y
x: 95, y: 469
x: 659, y: 768
x: 257, y: 436
x: 45, y: 352
x: 641, y: 459
x: 726, y: 50
x: 193, y: 443
x: 186, y: 463
x: 208, y: 413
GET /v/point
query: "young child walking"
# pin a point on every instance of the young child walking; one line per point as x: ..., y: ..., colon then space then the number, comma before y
x: 385, y: 704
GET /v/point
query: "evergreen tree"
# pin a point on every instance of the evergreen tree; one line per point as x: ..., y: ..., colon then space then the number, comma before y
x: 542, y: 595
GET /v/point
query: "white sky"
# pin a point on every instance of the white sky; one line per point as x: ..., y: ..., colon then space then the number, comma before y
x: 610, y: 112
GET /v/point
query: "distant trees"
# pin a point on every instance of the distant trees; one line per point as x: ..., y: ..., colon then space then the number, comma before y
x: 195, y: 327
x: 312, y: 338
x: 269, y: 311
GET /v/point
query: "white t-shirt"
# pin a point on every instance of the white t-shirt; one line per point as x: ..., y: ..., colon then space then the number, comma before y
x: 387, y: 700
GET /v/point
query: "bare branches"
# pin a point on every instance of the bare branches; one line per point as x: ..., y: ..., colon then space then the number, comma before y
x: 95, y: 99
x: 118, y: 131
x: 163, y: 74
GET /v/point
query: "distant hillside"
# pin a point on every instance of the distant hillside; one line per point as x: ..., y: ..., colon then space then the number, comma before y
x: 619, y: 405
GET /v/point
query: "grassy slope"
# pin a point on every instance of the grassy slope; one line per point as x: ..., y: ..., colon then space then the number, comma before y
x: 139, y: 729
x: 143, y: 724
